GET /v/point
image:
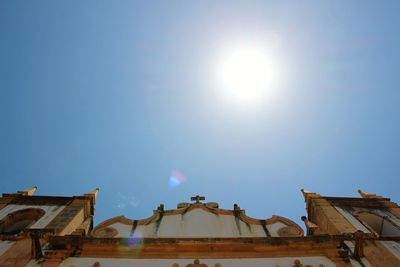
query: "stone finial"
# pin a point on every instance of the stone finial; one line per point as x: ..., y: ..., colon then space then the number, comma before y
x: 309, y: 225
x: 28, y: 192
x: 93, y: 194
x: 161, y: 207
x: 305, y: 192
x: 364, y: 194
x: 307, y: 195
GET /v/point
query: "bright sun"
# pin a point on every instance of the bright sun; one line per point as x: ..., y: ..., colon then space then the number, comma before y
x: 248, y: 73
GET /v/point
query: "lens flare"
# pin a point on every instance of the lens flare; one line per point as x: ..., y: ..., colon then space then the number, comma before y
x: 135, y: 240
x: 176, y: 178
x: 133, y: 244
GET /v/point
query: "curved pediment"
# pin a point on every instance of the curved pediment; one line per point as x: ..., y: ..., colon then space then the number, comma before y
x: 198, y: 220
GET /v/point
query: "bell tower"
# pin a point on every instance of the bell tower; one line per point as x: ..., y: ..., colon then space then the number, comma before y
x: 362, y: 223
x: 27, y: 221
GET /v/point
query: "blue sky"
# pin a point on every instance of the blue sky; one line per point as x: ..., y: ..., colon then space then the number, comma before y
x: 118, y: 94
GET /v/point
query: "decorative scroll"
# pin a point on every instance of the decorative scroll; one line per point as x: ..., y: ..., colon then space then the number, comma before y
x: 297, y: 263
x: 196, y: 263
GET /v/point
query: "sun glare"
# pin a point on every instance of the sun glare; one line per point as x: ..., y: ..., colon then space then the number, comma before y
x: 248, y: 73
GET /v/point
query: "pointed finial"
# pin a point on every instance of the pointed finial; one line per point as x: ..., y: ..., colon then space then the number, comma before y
x: 93, y: 194
x: 305, y: 192
x: 161, y: 207
x: 309, y: 195
x: 28, y: 192
x: 364, y: 194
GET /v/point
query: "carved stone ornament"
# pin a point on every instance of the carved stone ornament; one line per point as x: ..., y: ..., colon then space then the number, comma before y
x: 106, y: 232
x: 196, y: 263
x: 297, y: 263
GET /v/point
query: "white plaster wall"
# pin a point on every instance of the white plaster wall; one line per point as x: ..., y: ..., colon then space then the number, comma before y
x: 5, y: 245
x: 246, y: 230
x: 258, y: 231
x: 140, y: 231
x: 51, y: 213
x: 170, y: 225
x: 256, y: 262
x: 146, y: 230
x: 123, y: 229
x: 198, y: 223
x: 274, y: 228
x: 356, y: 223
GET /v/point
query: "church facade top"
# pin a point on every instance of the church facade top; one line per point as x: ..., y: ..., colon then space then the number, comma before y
x: 58, y: 231
x: 200, y: 220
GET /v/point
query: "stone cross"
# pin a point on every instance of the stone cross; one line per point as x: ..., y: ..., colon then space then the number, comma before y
x: 197, y: 199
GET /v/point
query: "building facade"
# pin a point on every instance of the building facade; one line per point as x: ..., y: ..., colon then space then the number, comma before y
x: 58, y: 231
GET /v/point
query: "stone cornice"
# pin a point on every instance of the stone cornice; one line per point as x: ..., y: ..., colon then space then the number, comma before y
x: 34, y: 200
x: 201, y: 247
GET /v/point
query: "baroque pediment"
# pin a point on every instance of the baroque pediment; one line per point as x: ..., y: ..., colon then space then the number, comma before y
x: 198, y: 220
